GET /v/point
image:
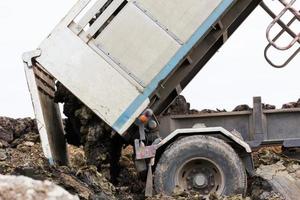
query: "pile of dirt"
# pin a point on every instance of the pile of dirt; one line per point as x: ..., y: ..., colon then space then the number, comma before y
x: 23, y: 155
x: 83, y: 127
x: 281, y: 172
x: 181, y: 107
x: 11, y: 130
x: 291, y: 105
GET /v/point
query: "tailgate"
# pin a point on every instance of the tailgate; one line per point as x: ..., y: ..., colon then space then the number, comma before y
x: 115, y: 64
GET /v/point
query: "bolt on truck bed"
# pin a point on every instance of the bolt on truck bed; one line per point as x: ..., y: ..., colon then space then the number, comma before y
x: 135, y: 54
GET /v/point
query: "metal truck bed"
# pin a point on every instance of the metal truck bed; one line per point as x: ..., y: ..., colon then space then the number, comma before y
x: 257, y: 127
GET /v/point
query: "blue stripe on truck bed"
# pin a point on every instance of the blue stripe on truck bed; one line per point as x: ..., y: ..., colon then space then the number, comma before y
x: 182, y: 52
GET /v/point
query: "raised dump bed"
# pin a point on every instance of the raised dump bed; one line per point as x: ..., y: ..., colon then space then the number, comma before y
x: 113, y: 54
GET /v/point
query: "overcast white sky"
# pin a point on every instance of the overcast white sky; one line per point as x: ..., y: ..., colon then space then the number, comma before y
x: 236, y: 74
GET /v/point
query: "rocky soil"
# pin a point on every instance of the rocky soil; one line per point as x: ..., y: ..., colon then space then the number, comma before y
x: 21, y: 154
x: 21, y: 187
x: 181, y: 106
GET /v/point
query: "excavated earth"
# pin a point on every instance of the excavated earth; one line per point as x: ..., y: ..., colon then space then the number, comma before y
x: 21, y: 155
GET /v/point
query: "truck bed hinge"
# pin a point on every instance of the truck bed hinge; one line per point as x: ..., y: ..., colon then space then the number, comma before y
x: 30, y: 55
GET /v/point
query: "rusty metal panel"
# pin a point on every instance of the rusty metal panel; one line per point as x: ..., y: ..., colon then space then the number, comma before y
x: 47, y: 115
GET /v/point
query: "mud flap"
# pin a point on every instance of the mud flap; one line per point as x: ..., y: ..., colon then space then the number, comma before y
x: 42, y: 87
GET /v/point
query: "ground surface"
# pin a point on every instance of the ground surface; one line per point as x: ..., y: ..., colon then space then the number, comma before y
x: 21, y: 154
x: 21, y: 187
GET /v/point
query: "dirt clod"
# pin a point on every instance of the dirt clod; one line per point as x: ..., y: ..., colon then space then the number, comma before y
x: 3, y: 155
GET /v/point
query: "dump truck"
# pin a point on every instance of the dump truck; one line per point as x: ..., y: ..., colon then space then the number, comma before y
x: 127, y: 60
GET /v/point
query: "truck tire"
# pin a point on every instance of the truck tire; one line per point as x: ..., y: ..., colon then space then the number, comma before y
x: 201, y: 164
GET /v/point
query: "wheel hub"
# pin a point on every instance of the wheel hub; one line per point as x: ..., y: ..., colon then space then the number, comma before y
x: 201, y: 175
x: 200, y: 181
